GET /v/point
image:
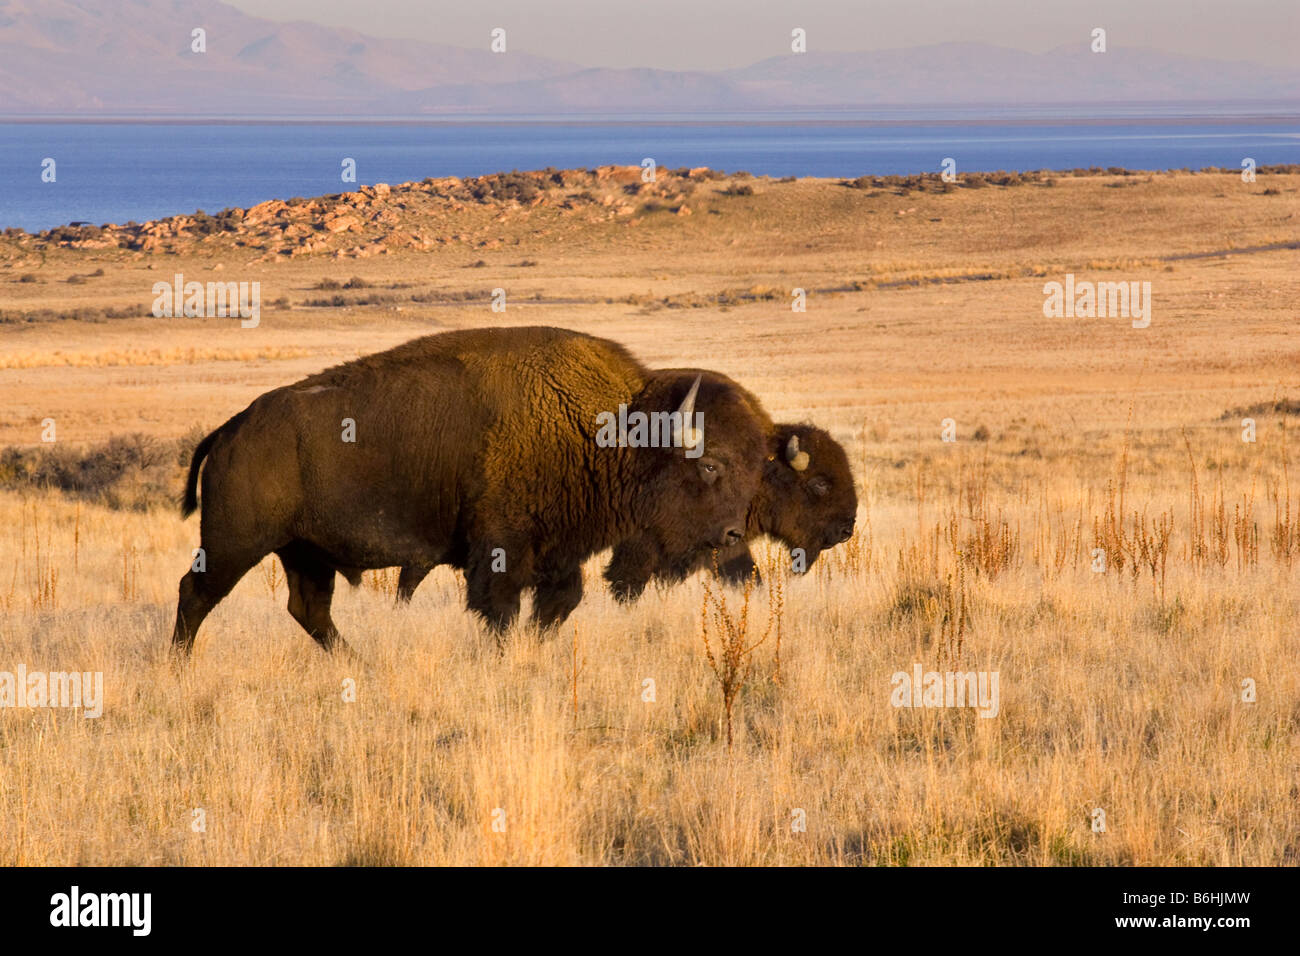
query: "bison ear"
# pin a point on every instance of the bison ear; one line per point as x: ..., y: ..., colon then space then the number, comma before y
x: 798, y: 459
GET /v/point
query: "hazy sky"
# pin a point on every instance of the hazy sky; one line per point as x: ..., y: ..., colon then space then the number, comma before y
x: 715, y: 34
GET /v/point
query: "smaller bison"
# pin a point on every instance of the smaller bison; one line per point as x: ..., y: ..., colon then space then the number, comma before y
x: 806, y: 501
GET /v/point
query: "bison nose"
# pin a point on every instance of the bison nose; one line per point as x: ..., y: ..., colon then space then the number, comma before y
x: 846, y: 531
x: 732, y: 536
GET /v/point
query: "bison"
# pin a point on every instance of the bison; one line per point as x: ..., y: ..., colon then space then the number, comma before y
x: 476, y: 448
x: 806, y: 500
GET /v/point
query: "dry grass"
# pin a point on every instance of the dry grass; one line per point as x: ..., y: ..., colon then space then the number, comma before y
x: 1114, y: 694
x: 733, y: 663
x: 1120, y: 688
x: 169, y: 356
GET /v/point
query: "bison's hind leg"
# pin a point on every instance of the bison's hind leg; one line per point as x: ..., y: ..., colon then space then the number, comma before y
x: 311, y: 590
x: 201, y: 591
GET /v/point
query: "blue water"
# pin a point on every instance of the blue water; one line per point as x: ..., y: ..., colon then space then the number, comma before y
x: 118, y: 172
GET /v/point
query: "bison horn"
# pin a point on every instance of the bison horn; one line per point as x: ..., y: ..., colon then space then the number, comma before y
x: 798, y: 459
x: 688, y: 437
x: 688, y: 403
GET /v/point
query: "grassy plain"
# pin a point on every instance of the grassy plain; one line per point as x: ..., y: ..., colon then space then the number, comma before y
x: 1120, y: 690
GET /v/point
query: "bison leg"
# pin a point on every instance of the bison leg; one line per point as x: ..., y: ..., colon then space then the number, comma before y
x: 555, y: 597
x: 631, y: 567
x: 201, y: 591
x: 736, y: 565
x: 492, y: 594
x: 409, y: 580
x: 311, y: 590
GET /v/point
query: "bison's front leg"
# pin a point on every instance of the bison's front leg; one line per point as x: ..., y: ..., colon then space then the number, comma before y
x: 493, y: 587
x: 630, y: 568
x: 409, y: 580
x: 556, y: 595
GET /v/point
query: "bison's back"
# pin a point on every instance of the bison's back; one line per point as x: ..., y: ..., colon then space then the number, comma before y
x: 384, y: 459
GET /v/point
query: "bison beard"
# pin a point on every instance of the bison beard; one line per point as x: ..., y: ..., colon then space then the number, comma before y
x: 470, y: 447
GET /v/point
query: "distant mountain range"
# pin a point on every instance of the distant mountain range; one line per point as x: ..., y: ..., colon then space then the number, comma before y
x: 133, y: 57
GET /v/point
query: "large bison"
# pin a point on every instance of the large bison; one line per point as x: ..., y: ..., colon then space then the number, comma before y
x: 482, y: 449
x: 806, y: 500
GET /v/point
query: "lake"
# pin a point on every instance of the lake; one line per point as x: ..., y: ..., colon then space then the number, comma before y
x: 119, y: 171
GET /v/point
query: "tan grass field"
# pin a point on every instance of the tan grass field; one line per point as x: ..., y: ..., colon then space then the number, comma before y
x: 1120, y: 691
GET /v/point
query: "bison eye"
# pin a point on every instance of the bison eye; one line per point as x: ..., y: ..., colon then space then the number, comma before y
x: 820, y: 487
x: 709, y: 471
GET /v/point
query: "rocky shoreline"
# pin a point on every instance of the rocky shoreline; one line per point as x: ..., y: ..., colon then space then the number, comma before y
x: 373, y: 220
x: 434, y: 213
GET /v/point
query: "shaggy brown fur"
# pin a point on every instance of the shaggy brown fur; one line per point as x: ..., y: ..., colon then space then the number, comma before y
x: 473, y: 448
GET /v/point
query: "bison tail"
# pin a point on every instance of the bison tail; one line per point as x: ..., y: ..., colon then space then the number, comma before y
x: 191, y: 501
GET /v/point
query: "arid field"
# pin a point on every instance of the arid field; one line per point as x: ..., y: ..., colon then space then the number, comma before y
x: 1162, y: 689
